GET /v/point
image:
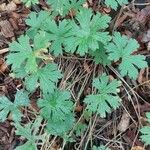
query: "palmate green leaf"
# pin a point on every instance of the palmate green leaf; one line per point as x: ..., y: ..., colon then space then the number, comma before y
x: 57, y: 34
x: 58, y: 6
x: 6, y: 106
x: 62, y: 7
x: 122, y: 48
x: 22, y: 54
x: 28, y: 3
x: 100, y: 56
x: 57, y: 108
x: 30, y: 132
x: 106, y: 98
x: 115, y: 3
x: 45, y: 77
x: 60, y: 127
x: 145, y: 131
x: 88, y: 33
x: 56, y: 105
x: 36, y: 22
x: 100, y: 148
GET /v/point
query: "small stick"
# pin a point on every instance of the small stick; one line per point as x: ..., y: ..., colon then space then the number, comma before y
x: 5, y: 50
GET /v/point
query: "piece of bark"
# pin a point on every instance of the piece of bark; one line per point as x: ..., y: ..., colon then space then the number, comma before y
x: 6, y: 29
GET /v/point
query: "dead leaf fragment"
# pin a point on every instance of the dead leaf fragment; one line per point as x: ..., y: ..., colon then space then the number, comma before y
x: 124, y: 123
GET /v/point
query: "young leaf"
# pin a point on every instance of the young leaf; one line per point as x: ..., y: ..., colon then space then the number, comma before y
x: 6, y: 106
x: 106, y: 98
x: 30, y: 132
x: 100, y: 148
x: 122, y: 48
x: 115, y: 3
x: 28, y: 3
x: 56, y: 106
x: 36, y: 21
x: 21, y: 52
x: 57, y: 34
x: 87, y: 33
x: 146, y: 131
x: 46, y: 77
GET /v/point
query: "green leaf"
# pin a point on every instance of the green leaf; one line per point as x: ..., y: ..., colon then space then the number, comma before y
x: 45, y: 77
x: 56, y: 106
x: 115, y: 3
x: 63, y: 7
x: 146, y: 131
x: 60, y: 128
x: 6, y: 106
x: 88, y: 32
x: 122, y: 48
x: 28, y: 3
x: 58, y: 6
x: 100, y: 148
x: 80, y: 128
x: 106, y: 98
x: 22, y: 54
x: 29, y: 131
x: 100, y: 56
x: 26, y: 146
x: 57, y: 34
x: 36, y: 22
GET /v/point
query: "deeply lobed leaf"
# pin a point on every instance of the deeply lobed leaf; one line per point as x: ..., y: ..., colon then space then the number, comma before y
x: 88, y: 33
x: 146, y: 131
x: 28, y: 3
x: 6, y: 106
x: 106, y: 98
x: 22, y: 54
x: 122, y: 48
x: 56, y: 106
x: 63, y: 7
x: 115, y: 3
x: 45, y: 77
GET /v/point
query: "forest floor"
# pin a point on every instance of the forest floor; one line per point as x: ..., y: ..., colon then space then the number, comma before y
x: 119, y: 129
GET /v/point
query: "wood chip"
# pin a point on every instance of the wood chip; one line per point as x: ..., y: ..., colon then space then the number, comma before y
x: 11, y: 7
x: 6, y: 29
x: 124, y: 123
x: 138, y: 148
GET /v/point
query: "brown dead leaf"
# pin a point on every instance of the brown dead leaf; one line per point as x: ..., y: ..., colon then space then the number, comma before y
x: 124, y: 123
x: 138, y: 148
x: 6, y: 29
x: 78, y: 108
